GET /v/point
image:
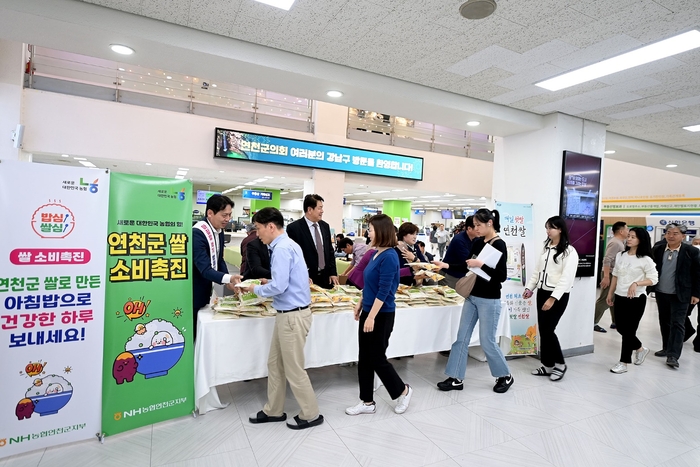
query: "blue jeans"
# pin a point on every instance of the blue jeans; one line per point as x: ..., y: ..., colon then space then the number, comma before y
x: 486, y: 311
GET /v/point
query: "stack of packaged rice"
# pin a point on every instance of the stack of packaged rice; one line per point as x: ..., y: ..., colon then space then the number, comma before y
x: 341, y: 298
x: 244, y: 304
x: 426, y: 271
x: 426, y: 296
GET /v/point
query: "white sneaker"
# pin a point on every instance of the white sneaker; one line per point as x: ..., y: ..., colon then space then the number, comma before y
x: 619, y: 368
x: 361, y: 408
x: 639, y: 359
x: 403, y: 401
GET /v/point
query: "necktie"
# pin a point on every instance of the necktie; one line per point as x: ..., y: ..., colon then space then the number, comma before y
x: 319, y: 248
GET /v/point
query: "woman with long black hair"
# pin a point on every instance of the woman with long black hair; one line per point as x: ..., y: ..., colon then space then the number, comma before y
x: 634, y: 271
x: 482, y: 305
x: 553, y: 278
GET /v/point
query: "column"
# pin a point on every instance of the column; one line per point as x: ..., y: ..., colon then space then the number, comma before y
x: 328, y: 184
x: 398, y: 210
x: 11, y: 79
x: 527, y: 169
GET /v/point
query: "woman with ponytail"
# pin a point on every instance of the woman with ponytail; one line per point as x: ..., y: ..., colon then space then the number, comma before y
x: 482, y: 305
x: 553, y: 278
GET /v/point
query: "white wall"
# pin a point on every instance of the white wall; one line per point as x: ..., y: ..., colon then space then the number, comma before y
x: 111, y: 130
x: 11, y: 75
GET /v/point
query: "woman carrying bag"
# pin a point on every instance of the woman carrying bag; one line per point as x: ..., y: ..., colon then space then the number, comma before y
x: 634, y: 271
x: 482, y: 305
x: 553, y: 278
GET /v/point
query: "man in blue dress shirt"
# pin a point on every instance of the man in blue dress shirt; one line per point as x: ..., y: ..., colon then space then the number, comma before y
x: 291, y: 297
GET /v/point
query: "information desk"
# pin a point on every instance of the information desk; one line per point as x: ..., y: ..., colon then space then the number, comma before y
x: 229, y: 350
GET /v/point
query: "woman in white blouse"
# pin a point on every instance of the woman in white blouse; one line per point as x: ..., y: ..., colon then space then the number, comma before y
x: 553, y: 278
x: 634, y: 270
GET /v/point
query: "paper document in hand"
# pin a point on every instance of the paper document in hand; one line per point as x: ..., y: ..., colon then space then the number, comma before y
x: 490, y: 256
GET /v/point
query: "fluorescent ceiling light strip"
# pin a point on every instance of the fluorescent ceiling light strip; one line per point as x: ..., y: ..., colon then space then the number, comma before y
x: 281, y: 4
x: 650, y: 53
x: 692, y: 128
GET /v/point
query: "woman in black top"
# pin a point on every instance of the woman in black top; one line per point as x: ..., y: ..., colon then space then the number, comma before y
x: 484, y: 306
x: 408, y: 252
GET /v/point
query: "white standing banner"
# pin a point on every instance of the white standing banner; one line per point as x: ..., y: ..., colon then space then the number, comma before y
x: 517, y: 231
x: 52, y: 275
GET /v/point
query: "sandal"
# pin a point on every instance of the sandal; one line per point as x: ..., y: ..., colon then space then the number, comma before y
x: 541, y: 371
x: 557, y: 374
x: 298, y: 424
x: 262, y: 417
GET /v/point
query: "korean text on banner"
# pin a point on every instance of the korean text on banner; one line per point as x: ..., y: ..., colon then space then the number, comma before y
x: 52, y: 266
x: 517, y: 232
x: 148, y: 371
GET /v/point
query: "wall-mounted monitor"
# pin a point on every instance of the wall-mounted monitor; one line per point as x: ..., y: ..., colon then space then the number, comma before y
x: 238, y: 145
x: 580, y: 197
x: 446, y: 214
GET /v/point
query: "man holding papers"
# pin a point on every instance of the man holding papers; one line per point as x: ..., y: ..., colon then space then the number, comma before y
x: 483, y: 305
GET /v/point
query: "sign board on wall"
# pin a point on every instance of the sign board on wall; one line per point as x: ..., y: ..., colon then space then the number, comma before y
x: 230, y: 144
x: 256, y: 194
x: 203, y: 196
x: 52, y: 276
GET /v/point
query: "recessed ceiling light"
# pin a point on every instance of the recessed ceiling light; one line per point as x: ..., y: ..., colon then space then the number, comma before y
x: 87, y: 164
x: 381, y: 191
x: 182, y: 168
x: 361, y: 193
x: 284, y: 192
x: 65, y: 155
x: 213, y: 85
x: 650, y: 53
x: 671, y: 166
x: 693, y: 128
x: 268, y: 177
x: 181, y: 172
x: 169, y: 77
x: 473, y: 123
x: 80, y: 158
x: 334, y: 94
x: 180, y: 177
x: 282, y: 4
x: 148, y: 163
x: 609, y: 152
x: 221, y: 171
x: 121, y: 69
x: 121, y: 49
x: 483, y: 197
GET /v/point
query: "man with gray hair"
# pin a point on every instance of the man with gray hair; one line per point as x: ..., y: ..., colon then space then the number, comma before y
x: 678, y: 265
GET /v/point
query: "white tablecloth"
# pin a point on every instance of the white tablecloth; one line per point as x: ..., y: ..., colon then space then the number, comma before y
x: 229, y: 350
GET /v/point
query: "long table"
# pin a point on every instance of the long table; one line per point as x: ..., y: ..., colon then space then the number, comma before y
x: 229, y: 350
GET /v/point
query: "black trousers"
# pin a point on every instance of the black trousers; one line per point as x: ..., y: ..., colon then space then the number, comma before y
x: 372, y: 358
x: 672, y: 314
x: 628, y: 314
x: 550, y: 349
x: 322, y: 279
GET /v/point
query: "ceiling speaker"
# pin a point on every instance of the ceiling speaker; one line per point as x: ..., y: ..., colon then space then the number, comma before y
x: 477, y: 9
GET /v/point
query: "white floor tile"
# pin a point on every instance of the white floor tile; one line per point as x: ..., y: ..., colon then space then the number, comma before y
x: 29, y: 459
x: 239, y: 458
x: 506, y: 454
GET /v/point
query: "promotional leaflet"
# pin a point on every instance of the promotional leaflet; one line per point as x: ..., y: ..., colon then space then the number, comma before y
x: 52, y: 276
x: 148, y: 370
x: 517, y: 232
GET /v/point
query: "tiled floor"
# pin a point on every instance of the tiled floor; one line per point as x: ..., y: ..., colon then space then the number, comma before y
x: 649, y: 416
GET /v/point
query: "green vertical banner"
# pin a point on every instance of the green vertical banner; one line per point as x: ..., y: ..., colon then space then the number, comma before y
x: 148, y: 371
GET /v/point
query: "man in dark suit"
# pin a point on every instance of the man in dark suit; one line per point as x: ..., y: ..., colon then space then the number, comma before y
x: 208, y: 252
x: 258, y: 260
x: 679, y: 285
x: 314, y: 237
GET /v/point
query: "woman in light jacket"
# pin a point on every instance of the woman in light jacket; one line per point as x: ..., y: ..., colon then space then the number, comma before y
x: 634, y: 271
x: 553, y: 278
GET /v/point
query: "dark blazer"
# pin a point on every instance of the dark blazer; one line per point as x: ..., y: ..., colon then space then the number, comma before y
x: 687, y: 270
x: 244, y: 245
x: 299, y: 232
x: 258, y: 259
x: 202, y: 273
x: 406, y: 272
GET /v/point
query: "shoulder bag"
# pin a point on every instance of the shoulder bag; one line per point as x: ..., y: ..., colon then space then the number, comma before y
x: 465, y: 285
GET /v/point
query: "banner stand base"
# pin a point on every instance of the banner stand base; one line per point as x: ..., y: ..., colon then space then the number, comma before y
x: 101, y: 437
